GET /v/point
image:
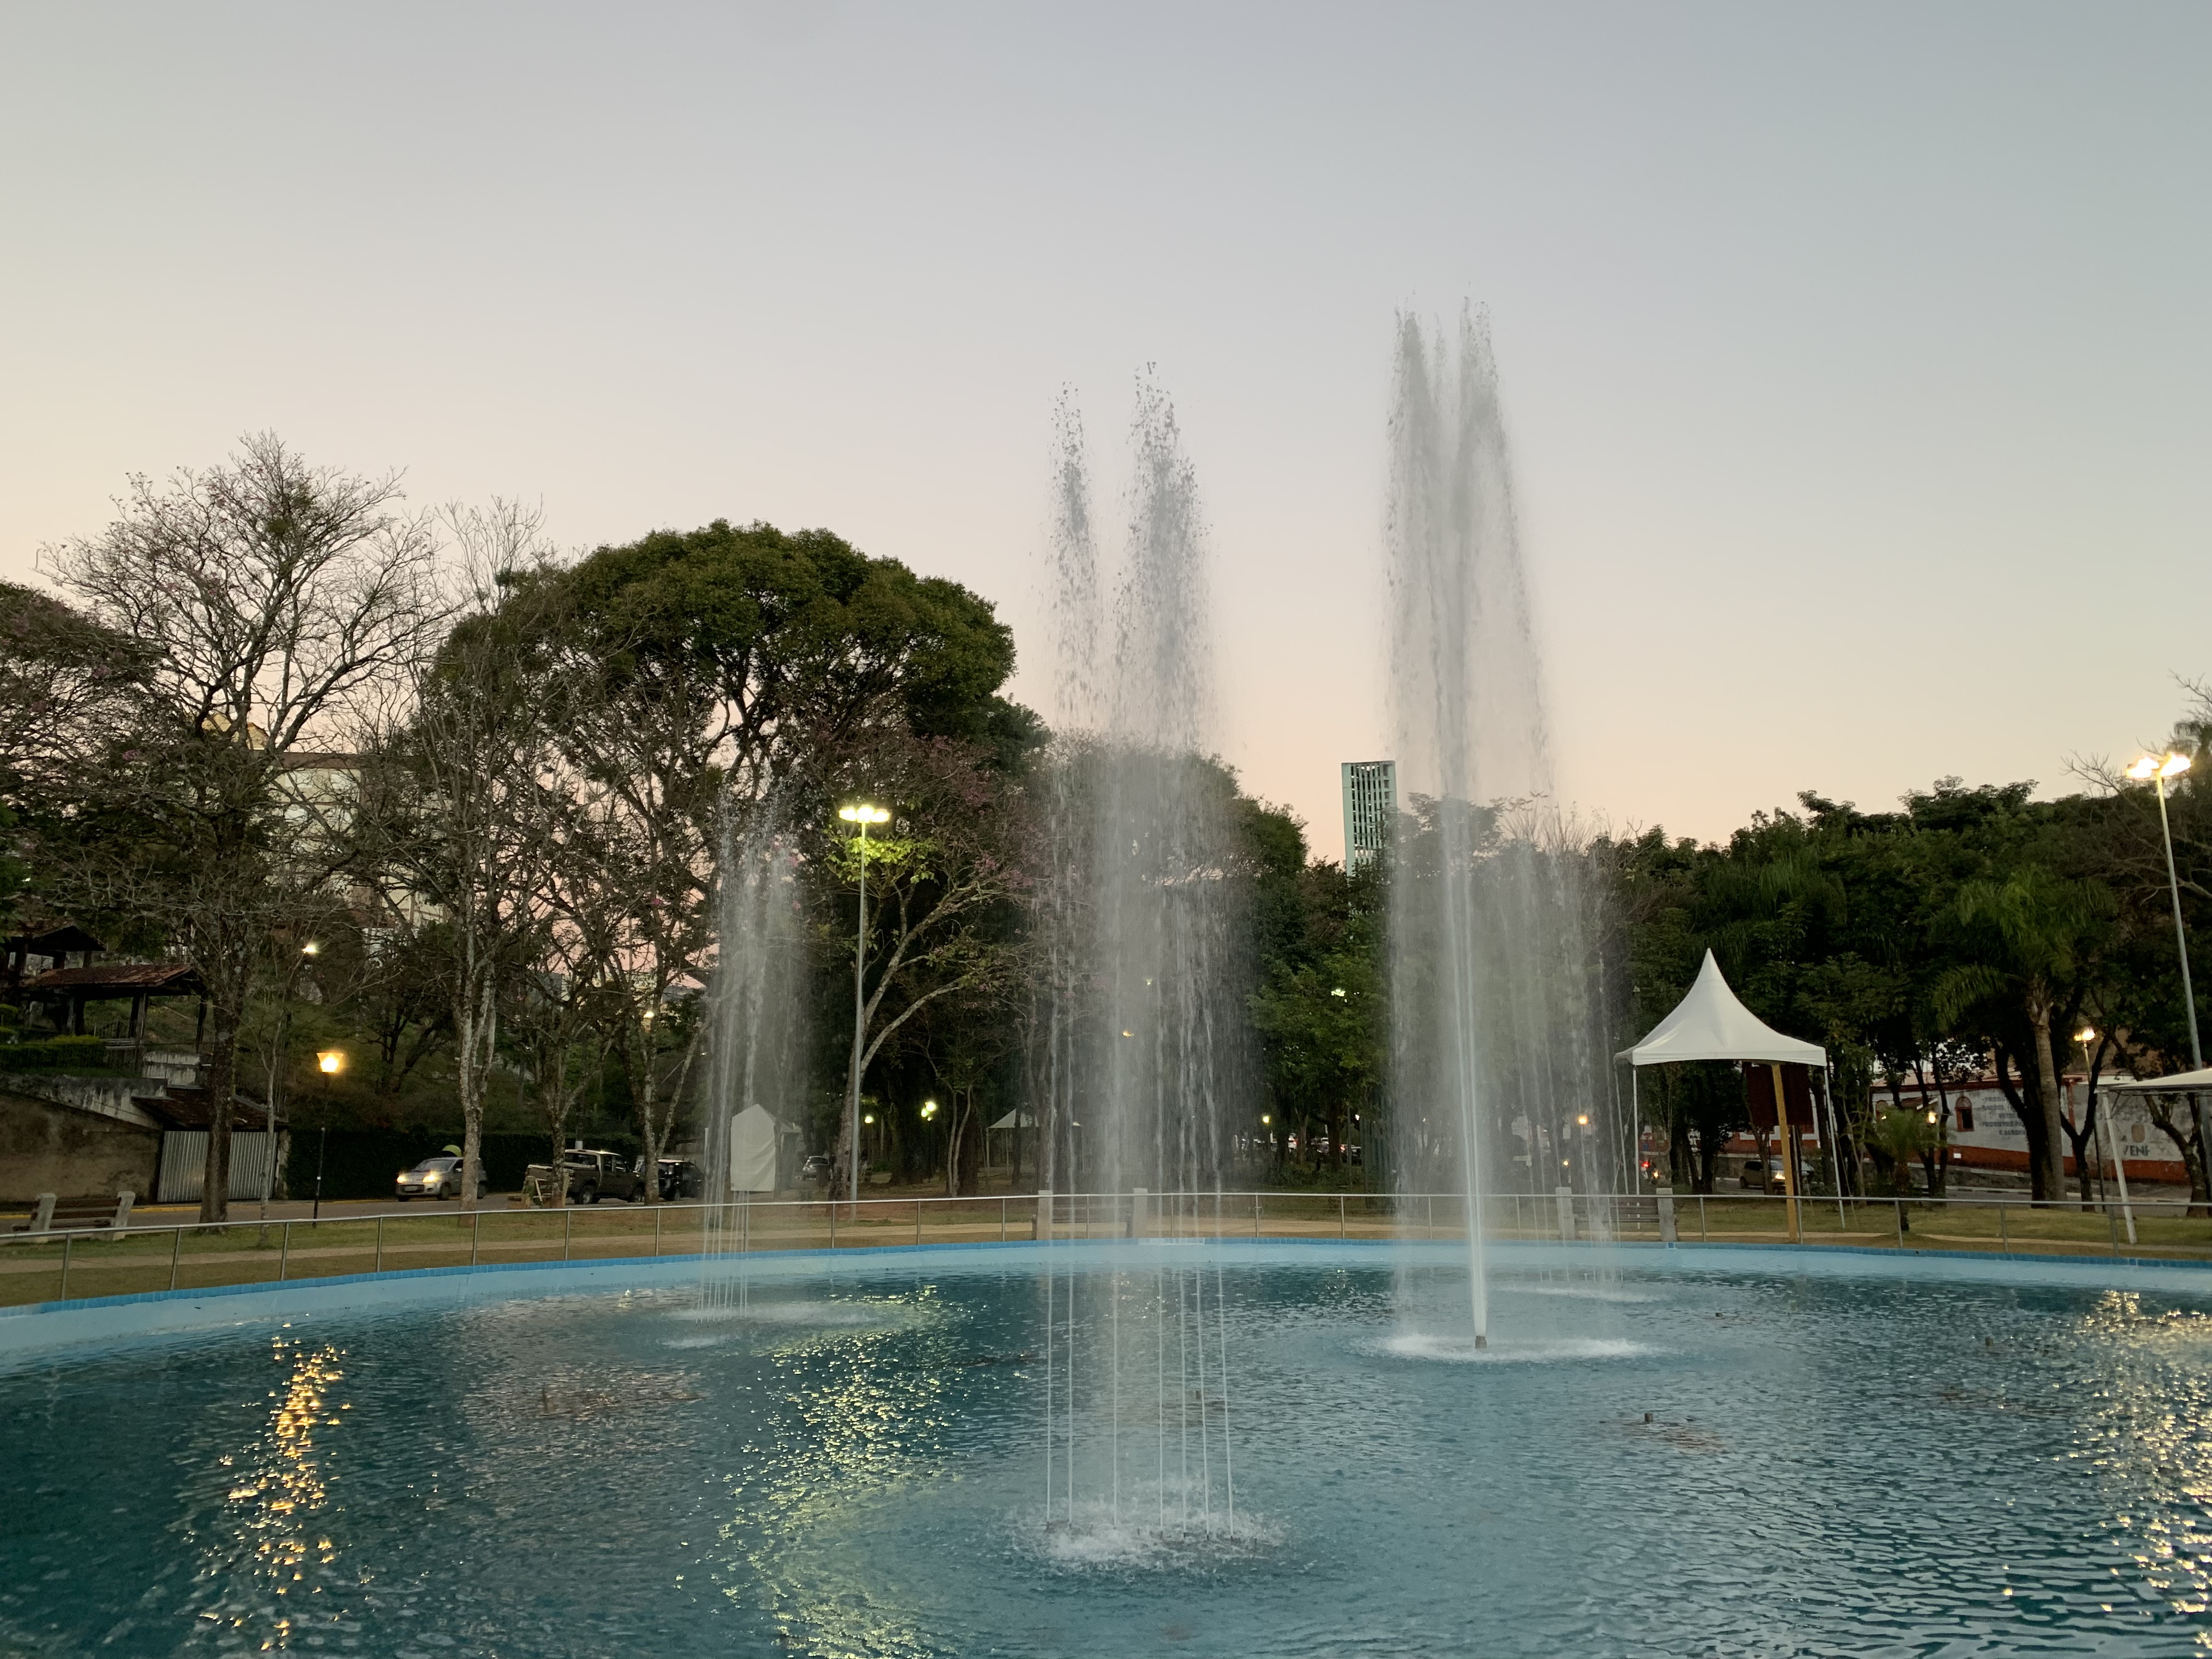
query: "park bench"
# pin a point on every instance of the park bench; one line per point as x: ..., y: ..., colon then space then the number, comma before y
x: 50, y: 1214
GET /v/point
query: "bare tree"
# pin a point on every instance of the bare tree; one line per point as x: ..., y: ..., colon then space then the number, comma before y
x: 457, y: 782
x: 274, y: 601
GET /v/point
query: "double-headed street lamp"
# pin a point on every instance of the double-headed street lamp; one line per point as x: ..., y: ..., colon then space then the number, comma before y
x: 862, y: 816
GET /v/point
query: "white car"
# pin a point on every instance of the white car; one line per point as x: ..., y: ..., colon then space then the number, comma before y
x: 435, y: 1177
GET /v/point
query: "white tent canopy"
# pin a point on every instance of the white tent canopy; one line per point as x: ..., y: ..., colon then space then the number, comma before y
x: 1710, y: 1024
x: 2179, y: 1083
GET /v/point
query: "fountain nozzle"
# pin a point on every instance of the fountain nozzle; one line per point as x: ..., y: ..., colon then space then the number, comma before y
x: 1480, y: 1341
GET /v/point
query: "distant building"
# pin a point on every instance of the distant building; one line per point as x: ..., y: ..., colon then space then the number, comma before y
x: 1371, y: 802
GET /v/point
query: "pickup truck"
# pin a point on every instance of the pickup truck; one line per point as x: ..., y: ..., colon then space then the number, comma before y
x: 592, y: 1176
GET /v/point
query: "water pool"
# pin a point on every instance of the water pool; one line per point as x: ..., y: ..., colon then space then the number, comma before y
x: 1698, y: 1453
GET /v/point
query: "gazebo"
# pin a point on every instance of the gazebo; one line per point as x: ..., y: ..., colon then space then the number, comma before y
x: 1711, y: 1023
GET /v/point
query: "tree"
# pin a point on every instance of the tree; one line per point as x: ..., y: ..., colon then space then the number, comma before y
x: 945, y: 883
x: 2033, y: 934
x: 457, y: 820
x: 711, y: 666
x: 275, y: 602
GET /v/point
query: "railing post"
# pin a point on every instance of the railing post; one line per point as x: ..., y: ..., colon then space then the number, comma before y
x: 1667, y: 1235
x: 379, y: 1266
x: 1564, y: 1197
x: 1340, y: 1215
x: 567, y: 1232
x: 656, y: 1232
x: 917, y: 1221
x: 283, y: 1247
x: 67, y: 1240
x: 475, y: 1234
x: 1899, y: 1205
x: 2112, y: 1227
x: 2004, y: 1233
x: 833, y: 1222
x: 1002, y: 1218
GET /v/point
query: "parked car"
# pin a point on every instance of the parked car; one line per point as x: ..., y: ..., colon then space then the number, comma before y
x: 593, y: 1176
x: 816, y: 1168
x: 435, y: 1177
x: 680, y: 1178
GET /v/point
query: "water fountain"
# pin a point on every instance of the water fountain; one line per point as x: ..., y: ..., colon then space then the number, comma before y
x: 1495, y: 990
x: 1144, y: 1046
x: 757, y: 1060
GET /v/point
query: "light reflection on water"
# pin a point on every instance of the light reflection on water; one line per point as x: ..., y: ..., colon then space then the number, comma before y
x: 1700, y: 1463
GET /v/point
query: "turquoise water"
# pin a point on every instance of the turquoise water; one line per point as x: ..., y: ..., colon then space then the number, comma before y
x: 1831, y: 1464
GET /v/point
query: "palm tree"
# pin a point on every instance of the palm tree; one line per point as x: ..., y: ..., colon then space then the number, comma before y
x: 2027, y: 937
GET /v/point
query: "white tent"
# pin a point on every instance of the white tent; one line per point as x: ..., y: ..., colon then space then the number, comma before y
x: 1016, y: 1119
x: 2180, y: 1083
x: 754, y: 1141
x: 1710, y: 1024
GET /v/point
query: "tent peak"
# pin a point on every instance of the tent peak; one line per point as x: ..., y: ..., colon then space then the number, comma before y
x: 1711, y: 1022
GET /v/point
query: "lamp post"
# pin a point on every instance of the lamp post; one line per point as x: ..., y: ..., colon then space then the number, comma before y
x: 2158, y: 768
x: 862, y: 816
x: 276, y: 1074
x: 329, y: 1062
x: 2113, y: 1148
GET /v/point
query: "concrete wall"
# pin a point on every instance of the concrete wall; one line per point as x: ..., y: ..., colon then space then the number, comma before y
x: 45, y: 1147
x: 110, y: 1096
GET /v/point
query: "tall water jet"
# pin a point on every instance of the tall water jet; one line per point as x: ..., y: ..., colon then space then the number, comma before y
x: 1493, y: 1041
x: 757, y: 1060
x: 1142, y: 1035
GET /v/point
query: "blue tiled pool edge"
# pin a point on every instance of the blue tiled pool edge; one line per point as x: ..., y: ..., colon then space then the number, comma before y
x: 90, y: 1319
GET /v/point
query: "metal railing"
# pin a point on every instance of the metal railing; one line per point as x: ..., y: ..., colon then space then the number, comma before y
x: 57, y: 1265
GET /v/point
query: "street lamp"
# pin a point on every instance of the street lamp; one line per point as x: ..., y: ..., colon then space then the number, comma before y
x: 2157, y: 769
x: 329, y: 1062
x: 2084, y: 1036
x: 276, y: 1072
x: 862, y: 815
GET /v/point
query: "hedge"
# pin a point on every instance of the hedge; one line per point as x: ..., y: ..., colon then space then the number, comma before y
x: 79, y: 1054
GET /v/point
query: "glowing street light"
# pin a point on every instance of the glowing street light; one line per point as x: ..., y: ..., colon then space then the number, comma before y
x: 928, y: 1110
x: 329, y: 1062
x: 862, y: 815
x: 2157, y: 768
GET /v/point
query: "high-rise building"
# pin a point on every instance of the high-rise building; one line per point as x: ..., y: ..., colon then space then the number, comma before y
x: 1370, y: 801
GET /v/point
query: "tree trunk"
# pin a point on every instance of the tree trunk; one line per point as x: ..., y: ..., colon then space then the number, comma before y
x: 2050, y: 1161
x: 644, y: 1083
x: 476, y: 1026
x: 226, y: 1013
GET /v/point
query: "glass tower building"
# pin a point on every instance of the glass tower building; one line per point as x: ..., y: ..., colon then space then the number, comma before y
x: 1370, y: 801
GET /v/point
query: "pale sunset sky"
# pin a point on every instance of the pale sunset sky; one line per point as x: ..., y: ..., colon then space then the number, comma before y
x: 1856, y: 355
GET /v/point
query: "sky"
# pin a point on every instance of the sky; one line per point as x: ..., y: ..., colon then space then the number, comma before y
x: 1856, y: 355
